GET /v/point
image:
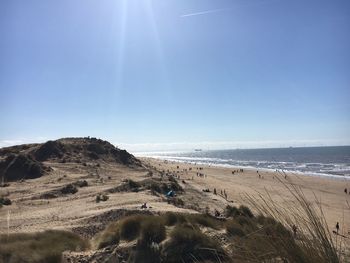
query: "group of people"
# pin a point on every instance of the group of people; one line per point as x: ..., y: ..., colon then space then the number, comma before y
x: 295, y: 229
x: 237, y: 171
x: 222, y: 193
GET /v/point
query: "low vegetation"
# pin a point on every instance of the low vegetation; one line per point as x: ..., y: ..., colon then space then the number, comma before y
x: 155, y: 185
x: 176, y: 237
x: 101, y: 198
x: 128, y: 186
x: 185, y: 236
x: 69, y: 189
x: 189, y: 244
x: 311, y: 240
x: 152, y: 229
x: 81, y: 183
x: 39, y: 247
x: 5, y: 201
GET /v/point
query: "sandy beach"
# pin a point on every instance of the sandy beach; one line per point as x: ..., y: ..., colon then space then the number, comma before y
x: 328, y: 192
x: 30, y: 212
x: 85, y: 194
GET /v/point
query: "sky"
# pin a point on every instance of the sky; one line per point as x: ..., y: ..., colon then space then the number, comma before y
x: 176, y: 74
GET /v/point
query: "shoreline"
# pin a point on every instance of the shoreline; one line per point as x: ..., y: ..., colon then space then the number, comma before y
x: 252, y: 168
x: 325, y: 191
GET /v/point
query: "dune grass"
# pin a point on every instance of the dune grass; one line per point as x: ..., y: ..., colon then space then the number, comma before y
x: 266, y: 236
x: 313, y: 241
x: 189, y: 244
x: 39, y: 247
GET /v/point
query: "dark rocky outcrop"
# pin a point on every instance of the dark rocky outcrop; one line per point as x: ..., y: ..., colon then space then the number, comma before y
x: 49, y: 150
x: 21, y: 166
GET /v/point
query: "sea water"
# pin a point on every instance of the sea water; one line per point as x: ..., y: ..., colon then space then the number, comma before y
x: 330, y: 161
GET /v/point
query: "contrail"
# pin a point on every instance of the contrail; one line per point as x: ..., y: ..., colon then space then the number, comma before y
x: 203, y: 12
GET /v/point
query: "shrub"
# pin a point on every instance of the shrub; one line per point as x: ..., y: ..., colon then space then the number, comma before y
x: 234, y: 229
x: 145, y: 254
x: 130, y: 228
x: 5, y: 201
x: 175, y: 187
x: 171, y: 218
x: 81, y: 183
x: 155, y: 188
x: 231, y: 211
x: 69, y: 189
x: 110, y: 236
x: 204, y: 220
x: 128, y: 185
x: 102, y: 198
x: 177, y: 202
x: 152, y: 230
x: 245, y: 211
x: 242, y: 220
x: 188, y: 245
x: 164, y: 188
x: 39, y: 247
x: 277, y: 230
x: 132, y: 184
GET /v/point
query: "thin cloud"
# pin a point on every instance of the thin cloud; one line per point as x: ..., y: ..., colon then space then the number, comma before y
x: 12, y: 142
x: 267, y: 2
x: 203, y: 12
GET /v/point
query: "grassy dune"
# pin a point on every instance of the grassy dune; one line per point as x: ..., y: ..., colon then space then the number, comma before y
x: 45, y: 247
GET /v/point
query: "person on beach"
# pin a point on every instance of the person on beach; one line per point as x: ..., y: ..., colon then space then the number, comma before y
x: 295, y: 229
x: 337, y: 227
x: 346, y: 191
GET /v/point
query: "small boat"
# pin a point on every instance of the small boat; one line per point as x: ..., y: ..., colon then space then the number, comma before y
x: 197, y: 150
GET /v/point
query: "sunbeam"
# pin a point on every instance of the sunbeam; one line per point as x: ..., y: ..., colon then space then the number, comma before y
x: 121, y: 49
x: 158, y: 46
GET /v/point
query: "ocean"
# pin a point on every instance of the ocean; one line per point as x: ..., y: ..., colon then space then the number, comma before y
x: 324, y: 161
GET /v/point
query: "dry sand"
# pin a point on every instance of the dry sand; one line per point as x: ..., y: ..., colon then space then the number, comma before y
x: 328, y: 192
x: 77, y: 212
x: 80, y: 212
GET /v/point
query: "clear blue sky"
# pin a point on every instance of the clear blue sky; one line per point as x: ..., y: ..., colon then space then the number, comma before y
x: 171, y: 74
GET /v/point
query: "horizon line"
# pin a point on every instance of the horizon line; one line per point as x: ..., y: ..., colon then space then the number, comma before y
x: 204, y: 145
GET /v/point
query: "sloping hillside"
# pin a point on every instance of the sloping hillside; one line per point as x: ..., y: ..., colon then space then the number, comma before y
x: 28, y: 161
